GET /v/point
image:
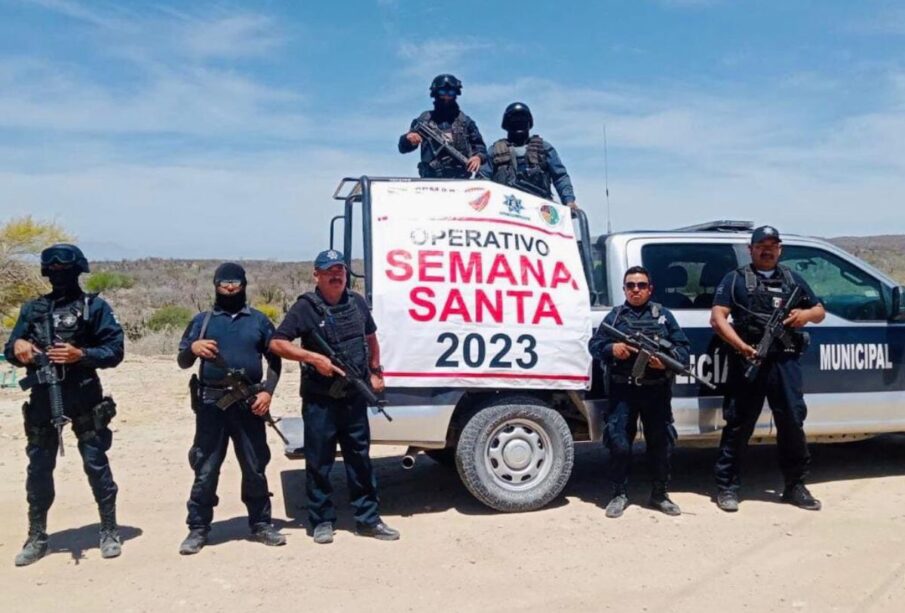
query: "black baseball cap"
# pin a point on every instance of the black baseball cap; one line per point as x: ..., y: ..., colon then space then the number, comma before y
x: 764, y: 233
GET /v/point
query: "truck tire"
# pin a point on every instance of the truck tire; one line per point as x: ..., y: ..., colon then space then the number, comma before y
x: 515, y: 454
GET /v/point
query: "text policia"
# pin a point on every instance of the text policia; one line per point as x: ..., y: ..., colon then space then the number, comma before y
x: 480, y: 277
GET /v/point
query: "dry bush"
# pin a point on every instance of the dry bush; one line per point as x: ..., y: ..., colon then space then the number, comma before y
x: 162, y: 342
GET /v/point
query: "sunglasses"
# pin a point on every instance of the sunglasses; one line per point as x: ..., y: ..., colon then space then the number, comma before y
x: 446, y: 92
x: 641, y: 285
x: 229, y: 283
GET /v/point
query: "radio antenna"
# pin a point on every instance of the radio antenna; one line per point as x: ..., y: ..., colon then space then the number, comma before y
x: 606, y: 179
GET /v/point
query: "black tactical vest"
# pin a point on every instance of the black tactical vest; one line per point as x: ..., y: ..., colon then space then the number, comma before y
x: 457, y: 134
x: 536, y: 171
x: 649, y: 326
x: 343, y: 328
x: 764, y: 296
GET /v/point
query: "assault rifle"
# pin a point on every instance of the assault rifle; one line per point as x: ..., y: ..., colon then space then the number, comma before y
x: 431, y: 133
x: 652, y: 348
x: 773, y: 331
x: 241, y: 389
x: 352, y: 376
x: 47, y: 373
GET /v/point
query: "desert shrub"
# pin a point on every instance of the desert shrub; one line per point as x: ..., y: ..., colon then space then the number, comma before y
x: 272, y: 311
x: 169, y: 317
x: 104, y: 280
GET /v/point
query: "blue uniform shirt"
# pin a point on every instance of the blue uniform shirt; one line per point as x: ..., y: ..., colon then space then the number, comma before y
x: 601, y: 345
x: 242, y: 339
x: 556, y: 171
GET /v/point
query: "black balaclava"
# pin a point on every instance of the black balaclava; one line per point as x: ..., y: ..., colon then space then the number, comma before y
x: 519, y: 130
x: 65, y: 282
x: 230, y: 271
x: 444, y: 111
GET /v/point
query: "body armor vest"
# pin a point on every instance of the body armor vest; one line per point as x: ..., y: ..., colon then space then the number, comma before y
x: 648, y: 326
x: 765, y: 295
x: 457, y: 134
x: 344, y: 330
x: 535, y: 171
x: 81, y: 385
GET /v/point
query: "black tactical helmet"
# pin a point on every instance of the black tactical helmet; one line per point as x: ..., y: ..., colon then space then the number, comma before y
x: 65, y: 254
x: 517, y: 110
x: 445, y: 81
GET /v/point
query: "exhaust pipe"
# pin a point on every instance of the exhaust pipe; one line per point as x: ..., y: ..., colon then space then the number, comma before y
x: 408, y: 460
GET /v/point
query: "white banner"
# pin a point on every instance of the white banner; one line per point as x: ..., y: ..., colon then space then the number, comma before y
x: 477, y: 285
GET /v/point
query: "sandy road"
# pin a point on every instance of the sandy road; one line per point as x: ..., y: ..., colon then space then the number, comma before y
x: 454, y: 553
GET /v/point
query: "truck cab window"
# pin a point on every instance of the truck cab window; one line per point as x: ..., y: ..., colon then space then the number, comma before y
x: 846, y: 290
x: 598, y: 270
x: 685, y: 275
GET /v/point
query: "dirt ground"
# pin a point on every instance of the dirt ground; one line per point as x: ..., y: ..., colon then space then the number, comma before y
x: 454, y: 553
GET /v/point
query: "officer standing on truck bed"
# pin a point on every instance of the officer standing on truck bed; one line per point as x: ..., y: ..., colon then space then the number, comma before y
x: 648, y: 396
x: 459, y: 130
x: 237, y: 336
x: 751, y: 294
x: 527, y: 161
x: 83, y: 337
x: 333, y: 410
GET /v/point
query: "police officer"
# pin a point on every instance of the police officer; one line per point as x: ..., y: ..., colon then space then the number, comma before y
x: 240, y: 336
x: 648, y: 397
x: 525, y: 161
x: 751, y: 294
x: 458, y: 128
x: 85, y: 336
x: 332, y: 409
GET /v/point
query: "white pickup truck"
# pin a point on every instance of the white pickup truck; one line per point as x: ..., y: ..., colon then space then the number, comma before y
x: 467, y: 396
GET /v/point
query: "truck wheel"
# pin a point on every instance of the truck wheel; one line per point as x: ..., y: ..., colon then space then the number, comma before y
x: 444, y: 457
x: 515, y: 454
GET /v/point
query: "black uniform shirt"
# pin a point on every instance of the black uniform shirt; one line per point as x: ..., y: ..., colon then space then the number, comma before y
x: 601, y: 345
x: 301, y: 319
x: 733, y: 285
x: 101, y: 339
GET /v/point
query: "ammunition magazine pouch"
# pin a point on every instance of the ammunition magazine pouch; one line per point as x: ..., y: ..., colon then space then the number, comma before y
x: 89, y: 423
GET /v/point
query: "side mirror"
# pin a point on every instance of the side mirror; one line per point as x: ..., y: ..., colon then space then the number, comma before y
x: 897, y: 313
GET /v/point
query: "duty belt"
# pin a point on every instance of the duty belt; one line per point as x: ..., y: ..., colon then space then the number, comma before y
x: 639, y: 382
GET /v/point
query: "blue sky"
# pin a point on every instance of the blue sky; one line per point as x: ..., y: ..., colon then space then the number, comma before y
x: 220, y: 129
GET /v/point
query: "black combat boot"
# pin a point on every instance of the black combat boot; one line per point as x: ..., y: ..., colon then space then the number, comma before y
x: 111, y: 543
x: 799, y: 495
x: 617, y: 504
x: 35, y: 546
x: 660, y: 501
x: 727, y: 500
x: 267, y: 534
x: 194, y: 542
x: 379, y: 531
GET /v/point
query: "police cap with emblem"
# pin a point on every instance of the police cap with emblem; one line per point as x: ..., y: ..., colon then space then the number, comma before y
x: 764, y: 233
x: 328, y: 258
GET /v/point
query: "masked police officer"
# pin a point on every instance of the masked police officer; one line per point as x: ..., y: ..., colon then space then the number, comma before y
x: 648, y: 397
x: 332, y: 409
x: 235, y: 336
x: 66, y: 335
x: 751, y: 294
x: 459, y: 130
x: 525, y: 161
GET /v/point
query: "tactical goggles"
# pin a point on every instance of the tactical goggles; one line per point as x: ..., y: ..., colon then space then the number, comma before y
x: 58, y: 255
x: 447, y: 92
x: 229, y: 282
x: 641, y: 285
